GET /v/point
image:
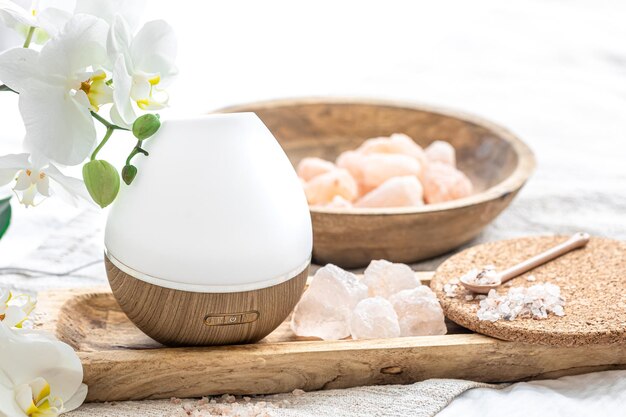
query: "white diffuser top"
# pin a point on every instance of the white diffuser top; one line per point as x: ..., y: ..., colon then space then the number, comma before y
x: 216, y: 207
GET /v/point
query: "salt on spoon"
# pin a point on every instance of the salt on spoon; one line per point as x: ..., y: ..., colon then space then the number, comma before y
x: 482, y: 282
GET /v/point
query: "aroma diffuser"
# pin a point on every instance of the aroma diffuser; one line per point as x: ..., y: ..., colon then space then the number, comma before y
x: 211, y: 243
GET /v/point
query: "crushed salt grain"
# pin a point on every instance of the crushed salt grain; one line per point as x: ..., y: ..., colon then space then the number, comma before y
x: 485, y: 276
x: 533, y: 302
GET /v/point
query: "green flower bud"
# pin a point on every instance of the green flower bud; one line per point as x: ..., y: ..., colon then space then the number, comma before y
x: 146, y: 126
x: 129, y: 172
x: 102, y: 181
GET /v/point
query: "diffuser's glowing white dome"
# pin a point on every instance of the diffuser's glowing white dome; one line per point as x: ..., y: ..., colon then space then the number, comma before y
x: 216, y: 207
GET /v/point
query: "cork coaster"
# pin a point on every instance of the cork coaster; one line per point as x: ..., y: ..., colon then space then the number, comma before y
x: 592, y: 281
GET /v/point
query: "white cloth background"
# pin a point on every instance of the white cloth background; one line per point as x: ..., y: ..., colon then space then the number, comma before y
x: 554, y: 72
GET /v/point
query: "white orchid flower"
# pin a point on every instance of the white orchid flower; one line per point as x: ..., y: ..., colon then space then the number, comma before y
x: 15, y: 310
x: 33, y: 177
x: 143, y: 66
x: 59, y: 86
x: 106, y: 10
x: 46, y: 21
x: 39, y: 375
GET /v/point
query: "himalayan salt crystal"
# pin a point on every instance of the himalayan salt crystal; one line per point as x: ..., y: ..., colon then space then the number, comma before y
x: 353, y: 162
x: 485, y: 276
x: 378, y: 168
x: 441, y: 151
x: 323, y: 188
x: 374, y: 318
x: 397, y: 143
x: 443, y: 182
x: 451, y: 287
x: 339, y: 202
x: 311, y: 167
x: 419, y: 312
x: 534, y: 302
x: 384, y: 278
x: 325, y: 309
x: 404, y: 191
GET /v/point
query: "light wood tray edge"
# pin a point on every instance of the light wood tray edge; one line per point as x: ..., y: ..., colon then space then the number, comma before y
x: 115, y: 375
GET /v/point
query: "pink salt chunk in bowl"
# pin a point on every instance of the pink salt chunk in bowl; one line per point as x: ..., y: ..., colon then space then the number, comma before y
x: 385, y: 172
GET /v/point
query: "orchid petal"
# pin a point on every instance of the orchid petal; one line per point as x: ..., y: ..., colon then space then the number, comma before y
x: 24, y: 399
x: 122, y: 112
x: 77, y: 399
x: 70, y: 188
x: 25, y: 355
x: 14, y: 316
x: 43, y: 185
x: 80, y: 44
x: 8, y: 405
x: 5, y: 296
x: 131, y: 10
x: 52, y: 20
x: 154, y: 38
x: 28, y: 196
x: 12, y: 15
x: 141, y: 88
x: 10, y: 165
x: 18, y: 67
x: 40, y: 389
x: 118, y: 40
x: 58, y: 124
x: 23, y: 181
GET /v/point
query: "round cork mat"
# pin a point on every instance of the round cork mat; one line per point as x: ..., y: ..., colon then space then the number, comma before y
x: 592, y: 282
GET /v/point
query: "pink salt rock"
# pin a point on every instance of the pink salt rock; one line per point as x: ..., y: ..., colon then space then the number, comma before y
x: 323, y: 188
x: 309, y: 168
x: 353, y: 162
x: 395, y: 192
x: 384, y: 278
x: 443, y: 182
x: 325, y: 309
x: 339, y: 202
x: 419, y: 312
x: 441, y: 151
x: 374, y: 318
x: 397, y: 143
x: 378, y: 168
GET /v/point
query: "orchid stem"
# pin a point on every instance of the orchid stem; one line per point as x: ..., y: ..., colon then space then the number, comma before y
x: 103, y: 142
x: 4, y: 87
x: 106, y: 123
x: 29, y: 37
x: 137, y: 149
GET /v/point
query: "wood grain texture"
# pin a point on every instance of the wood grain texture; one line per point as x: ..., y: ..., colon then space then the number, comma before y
x: 175, y: 317
x: 592, y: 281
x: 497, y: 162
x: 122, y: 363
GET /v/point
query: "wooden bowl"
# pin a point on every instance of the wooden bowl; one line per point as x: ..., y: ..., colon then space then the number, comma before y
x: 497, y: 162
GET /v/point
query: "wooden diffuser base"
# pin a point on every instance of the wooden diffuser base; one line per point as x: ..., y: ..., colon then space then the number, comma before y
x: 175, y: 317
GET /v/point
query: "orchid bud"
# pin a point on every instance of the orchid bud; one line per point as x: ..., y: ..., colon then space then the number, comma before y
x: 146, y: 126
x: 102, y: 181
x: 128, y: 173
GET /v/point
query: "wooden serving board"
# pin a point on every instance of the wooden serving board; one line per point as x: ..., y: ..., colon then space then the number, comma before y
x: 121, y: 363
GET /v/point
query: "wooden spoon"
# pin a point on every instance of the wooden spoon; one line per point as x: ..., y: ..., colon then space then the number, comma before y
x: 577, y: 240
